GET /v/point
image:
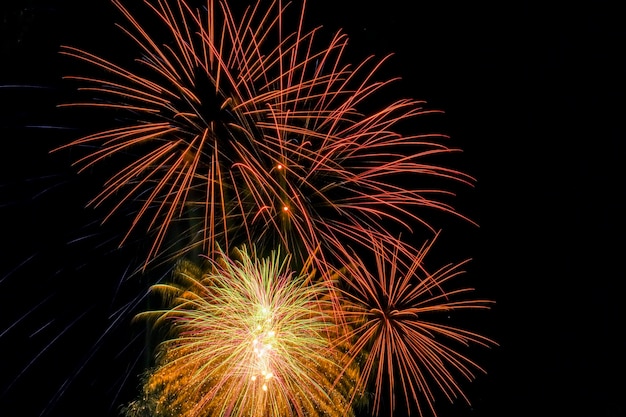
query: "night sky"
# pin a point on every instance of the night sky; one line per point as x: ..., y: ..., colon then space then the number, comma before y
x: 533, y: 94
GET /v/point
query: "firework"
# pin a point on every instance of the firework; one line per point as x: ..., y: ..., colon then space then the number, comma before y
x: 242, y: 131
x: 396, y: 309
x: 246, y: 337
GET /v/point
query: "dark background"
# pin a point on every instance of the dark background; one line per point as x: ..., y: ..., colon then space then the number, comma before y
x: 532, y: 92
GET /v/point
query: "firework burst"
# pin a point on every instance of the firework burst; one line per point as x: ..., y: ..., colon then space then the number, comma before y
x: 395, y: 309
x: 247, y: 337
x: 240, y: 131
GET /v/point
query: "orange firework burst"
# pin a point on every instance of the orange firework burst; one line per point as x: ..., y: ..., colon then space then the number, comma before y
x: 244, y: 132
x: 395, y: 310
x: 247, y: 337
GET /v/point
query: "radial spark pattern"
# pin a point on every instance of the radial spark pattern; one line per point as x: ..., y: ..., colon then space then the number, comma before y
x: 241, y: 130
x: 396, y: 311
x: 247, y: 337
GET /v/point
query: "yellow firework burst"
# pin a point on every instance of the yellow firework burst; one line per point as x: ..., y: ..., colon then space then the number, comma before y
x: 248, y: 337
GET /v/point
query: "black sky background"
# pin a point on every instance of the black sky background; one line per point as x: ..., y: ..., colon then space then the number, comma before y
x: 533, y: 93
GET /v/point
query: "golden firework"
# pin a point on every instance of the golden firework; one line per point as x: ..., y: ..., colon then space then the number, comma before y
x: 246, y: 337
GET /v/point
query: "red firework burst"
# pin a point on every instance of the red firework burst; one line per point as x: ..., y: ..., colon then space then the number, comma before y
x: 244, y: 132
x: 395, y: 312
